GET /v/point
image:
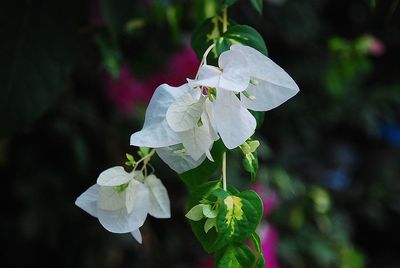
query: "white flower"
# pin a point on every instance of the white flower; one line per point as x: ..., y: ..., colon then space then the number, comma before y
x: 260, y: 83
x: 122, y: 200
x: 177, y: 115
x: 214, y: 105
x: 177, y: 158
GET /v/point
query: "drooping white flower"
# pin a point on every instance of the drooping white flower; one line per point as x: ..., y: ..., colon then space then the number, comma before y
x: 245, y: 79
x: 177, y: 158
x: 122, y: 200
x: 156, y: 132
x: 177, y: 115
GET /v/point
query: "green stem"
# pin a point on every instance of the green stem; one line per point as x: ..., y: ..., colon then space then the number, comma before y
x: 204, y: 58
x: 224, y: 171
x: 225, y: 20
x: 144, y: 158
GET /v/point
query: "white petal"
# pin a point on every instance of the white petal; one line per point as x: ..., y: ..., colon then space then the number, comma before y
x: 208, y: 77
x: 234, y: 123
x: 110, y: 199
x: 119, y: 221
x: 184, y: 112
x: 156, y: 132
x: 88, y: 200
x: 137, y: 235
x: 267, y: 96
x: 176, y: 160
x: 159, y: 200
x: 197, y: 141
x: 138, y: 176
x: 213, y: 135
x: 135, y: 195
x: 235, y: 75
x: 209, y: 108
x: 114, y: 176
x: 281, y: 86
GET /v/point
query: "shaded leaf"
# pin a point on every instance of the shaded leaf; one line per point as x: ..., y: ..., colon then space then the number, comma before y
x: 246, y: 35
x: 258, y: 5
x: 235, y: 256
x: 250, y: 164
x: 227, y: 3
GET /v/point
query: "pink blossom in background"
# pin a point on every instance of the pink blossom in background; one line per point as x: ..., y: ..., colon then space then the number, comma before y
x: 183, y: 64
x: 377, y: 47
x: 207, y: 263
x: 268, y: 233
x: 269, y: 244
x: 270, y: 198
x: 127, y: 90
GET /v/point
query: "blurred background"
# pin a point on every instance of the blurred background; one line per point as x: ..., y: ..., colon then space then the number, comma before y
x: 76, y: 76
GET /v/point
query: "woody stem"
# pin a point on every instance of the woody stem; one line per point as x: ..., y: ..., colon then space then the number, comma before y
x: 225, y: 20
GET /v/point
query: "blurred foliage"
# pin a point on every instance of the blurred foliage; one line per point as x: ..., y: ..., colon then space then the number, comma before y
x: 331, y: 153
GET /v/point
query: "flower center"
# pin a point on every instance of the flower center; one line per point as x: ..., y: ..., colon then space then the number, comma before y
x: 121, y: 188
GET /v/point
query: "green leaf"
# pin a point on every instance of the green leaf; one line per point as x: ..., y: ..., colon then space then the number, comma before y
x: 195, y: 213
x: 238, y: 216
x: 227, y: 3
x: 246, y: 35
x: 210, y: 223
x: 129, y: 157
x: 209, y: 212
x: 204, y: 36
x: 116, y: 14
x: 207, y: 240
x: 38, y: 49
x: 111, y: 56
x: 210, y: 32
x: 235, y: 256
x: 250, y: 164
x: 254, y: 144
x: 143, y: 151
x: 258, y: 5
x: 198, y: 176
x: 256, y: 241
x: 259, y: 116
x: 131, y: 160
x: 221, y: 45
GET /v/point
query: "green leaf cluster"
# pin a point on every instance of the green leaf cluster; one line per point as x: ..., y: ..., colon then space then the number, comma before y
x: 239, y: 214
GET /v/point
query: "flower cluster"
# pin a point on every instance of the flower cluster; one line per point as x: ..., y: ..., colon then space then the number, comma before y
x: 183, y: 122
x: 121, y: 200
